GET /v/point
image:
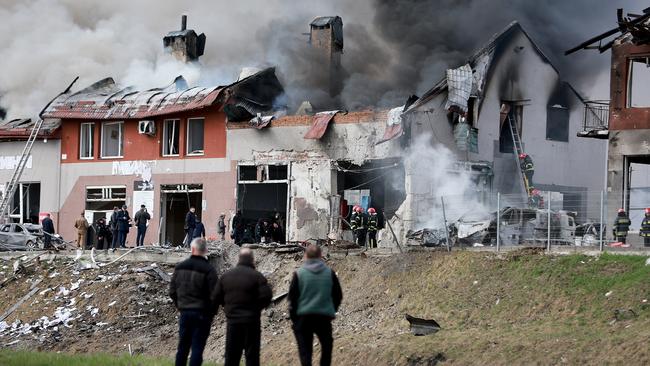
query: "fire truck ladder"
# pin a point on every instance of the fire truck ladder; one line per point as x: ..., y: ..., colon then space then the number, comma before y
x: 518, y: 150
x: 20, y: 167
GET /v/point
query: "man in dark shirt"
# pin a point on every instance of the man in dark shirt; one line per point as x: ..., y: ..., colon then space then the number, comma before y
x: 243, y: 292
x: 190, y: 225
x: 48, y: 230
x: 193, y: 291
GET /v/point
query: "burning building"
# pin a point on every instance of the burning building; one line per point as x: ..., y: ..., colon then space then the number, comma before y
x: 237, y: 147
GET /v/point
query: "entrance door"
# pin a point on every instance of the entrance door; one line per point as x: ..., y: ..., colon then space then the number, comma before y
x: 176, y: 201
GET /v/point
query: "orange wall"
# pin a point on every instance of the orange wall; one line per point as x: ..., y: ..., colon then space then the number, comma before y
x: 145, y: 147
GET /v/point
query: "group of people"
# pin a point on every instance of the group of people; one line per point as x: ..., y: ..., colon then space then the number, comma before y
x: 364, y: 225
x: 197, y: 292
x: 112, y: 235
x: 622, y: 227
x: 265, y: 230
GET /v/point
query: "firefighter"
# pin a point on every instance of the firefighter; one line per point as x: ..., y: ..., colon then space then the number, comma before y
x: 535, y: 199
x: 372, y: 228
x: 645, y: 228
x: 527, y: 167
x: 621, y: 226
x: 362, y: 229
x: 354, y: 222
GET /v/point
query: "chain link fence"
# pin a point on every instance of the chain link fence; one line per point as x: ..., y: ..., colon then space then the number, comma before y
x: 567, y: 218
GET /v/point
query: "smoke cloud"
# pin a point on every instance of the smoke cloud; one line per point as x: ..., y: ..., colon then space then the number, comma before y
x: 392, y: 48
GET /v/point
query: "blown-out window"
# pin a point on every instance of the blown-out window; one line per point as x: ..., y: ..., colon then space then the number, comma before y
x: 112, y: 139
x: 638, y: 83
x: 557, y: 123
x: 170, y: 137
x: 195, y: 136
x: 86, y: 138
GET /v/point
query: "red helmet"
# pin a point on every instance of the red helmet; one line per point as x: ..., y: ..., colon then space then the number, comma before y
x: 647, y: 210
x: 620, y: 210
x: 355, y: 208
x: 536, y: 192
x: 371, y: 210
x: 522, y: 155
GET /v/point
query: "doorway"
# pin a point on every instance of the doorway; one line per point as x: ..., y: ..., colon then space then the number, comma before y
x: 175, y: 202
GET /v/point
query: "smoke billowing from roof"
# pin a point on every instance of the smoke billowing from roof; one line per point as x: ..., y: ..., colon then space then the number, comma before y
x: 392, y: 48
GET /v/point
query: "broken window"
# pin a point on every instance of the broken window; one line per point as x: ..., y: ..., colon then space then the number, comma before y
x: 86, y: 139
x: 515, y: 115
x: 112, y: 139
x: 277, y: 172
x: 104, y: 198
x: 262, y: 173
x: 170, y: 137
x: 26, y: 203
x: 638, y: 83
x: 195, y: 136
x: 557, y: 123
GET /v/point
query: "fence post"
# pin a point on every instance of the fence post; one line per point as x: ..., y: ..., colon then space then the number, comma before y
x: 602, y: 214
x: 498, y: 219
x: 548, y: 233
x: 444, y: 218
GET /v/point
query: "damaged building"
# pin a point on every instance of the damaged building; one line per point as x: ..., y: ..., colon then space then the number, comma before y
x: 624, y: 120
x: 238, y: 147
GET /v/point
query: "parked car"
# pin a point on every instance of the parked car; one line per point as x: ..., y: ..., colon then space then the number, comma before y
x: 20, y: 237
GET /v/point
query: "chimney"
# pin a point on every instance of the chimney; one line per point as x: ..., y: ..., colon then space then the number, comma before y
x: 184, y: 44
x: 326, y: 35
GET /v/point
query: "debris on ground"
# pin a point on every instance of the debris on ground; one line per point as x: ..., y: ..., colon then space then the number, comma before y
x: 420, y: 327
x: 427, y: 237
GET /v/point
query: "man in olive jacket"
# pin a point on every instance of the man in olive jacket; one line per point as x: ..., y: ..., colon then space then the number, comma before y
x: 314, y: 298
x: 243, y: 292
x: 193, y: 291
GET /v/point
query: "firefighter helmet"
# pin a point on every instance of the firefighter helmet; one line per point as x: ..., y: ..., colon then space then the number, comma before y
x: 620, y: 210
x: 647, y: 210
x: 371, y: 210
x: 522, y: 156
x: 358, y: 209
x: 536, y: 192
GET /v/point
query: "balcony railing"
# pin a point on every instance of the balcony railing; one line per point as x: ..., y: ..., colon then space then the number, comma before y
x: 596, y: 119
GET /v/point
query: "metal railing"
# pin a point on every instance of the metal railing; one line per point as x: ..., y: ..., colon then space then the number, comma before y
x: 596, y: 115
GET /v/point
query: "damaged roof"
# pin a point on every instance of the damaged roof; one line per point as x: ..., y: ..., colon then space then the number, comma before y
x: 105, y: 99
x: 21, y: 128
x: 481, y: 61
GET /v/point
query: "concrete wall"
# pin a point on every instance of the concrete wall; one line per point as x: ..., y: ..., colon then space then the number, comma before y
x: 45, y: 169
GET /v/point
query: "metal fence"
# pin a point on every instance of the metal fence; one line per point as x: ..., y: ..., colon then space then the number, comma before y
x: 569, y: 219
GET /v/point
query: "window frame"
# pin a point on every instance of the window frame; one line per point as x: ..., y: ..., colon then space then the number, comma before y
x: 567, y: 128
x: 92, y: 140
x: 178, y: 148
x: 187, y: 137
x: 120, y: 139
x: 629, y: 83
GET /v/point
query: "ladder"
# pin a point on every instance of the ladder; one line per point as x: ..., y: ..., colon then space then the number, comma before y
x: 10, y: 189
x: 518, y: 150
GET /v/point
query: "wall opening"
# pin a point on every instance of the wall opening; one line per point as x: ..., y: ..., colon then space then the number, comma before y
x: 638, y: 189
x: 26, y: 203
x: 515, y: 114
x: 175, y: 202
x: 378, y: 184
x: 638, y: 90
x: 262, y: 192
x: 557, y: 123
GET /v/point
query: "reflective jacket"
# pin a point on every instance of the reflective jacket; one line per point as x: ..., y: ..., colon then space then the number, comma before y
x: 527, y: 164
x: 621, y: 225
x: 372, y: 222
x: 645, y: 227
x: 356, y: 221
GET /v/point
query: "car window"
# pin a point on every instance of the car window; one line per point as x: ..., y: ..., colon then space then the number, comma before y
x: 5, y: 229
x: 18, y: 229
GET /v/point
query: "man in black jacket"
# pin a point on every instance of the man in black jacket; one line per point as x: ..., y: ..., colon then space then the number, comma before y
x: 314, y: 298
x: 48, y: 230
x: 190, y: 225
x: 112, y: 224
x: 243, y: 292
x: 193, y: 291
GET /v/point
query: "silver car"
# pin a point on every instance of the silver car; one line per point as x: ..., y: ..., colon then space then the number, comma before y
x: 20, y: 237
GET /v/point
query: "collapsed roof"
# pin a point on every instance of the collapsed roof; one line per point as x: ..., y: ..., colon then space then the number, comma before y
x: 105, y: 99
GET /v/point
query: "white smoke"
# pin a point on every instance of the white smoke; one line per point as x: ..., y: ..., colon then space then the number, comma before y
x: 433, y: 177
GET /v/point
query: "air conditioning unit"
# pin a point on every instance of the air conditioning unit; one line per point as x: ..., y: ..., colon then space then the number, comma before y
x: 147, y: 127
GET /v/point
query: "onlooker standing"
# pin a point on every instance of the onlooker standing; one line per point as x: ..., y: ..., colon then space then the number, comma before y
x: 113, y: 227
x: 199, y: 229
x: 314, y: 298
x: 48, y: 230
x: 221, y: 226
x: 103, y: 233
x: 237, y: 229
x: 141, y: 219
x: 190, y: 225
x: 123, y: 224
x: 81, y: 224
x: 193, y: 291
x: 243, y: 292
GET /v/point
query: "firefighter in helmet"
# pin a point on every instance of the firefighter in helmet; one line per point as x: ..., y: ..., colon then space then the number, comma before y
x: 621, y: 226
x: 356, y: 222
x: 372, y: 228
x: 527, y: 167
x: 645, y: 228
x: 535, y: 199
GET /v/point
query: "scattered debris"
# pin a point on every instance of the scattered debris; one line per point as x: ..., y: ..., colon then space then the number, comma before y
x: 624, y: 314
x: 428, y: 237
x: 21, y: 301
x: 420, y: 327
